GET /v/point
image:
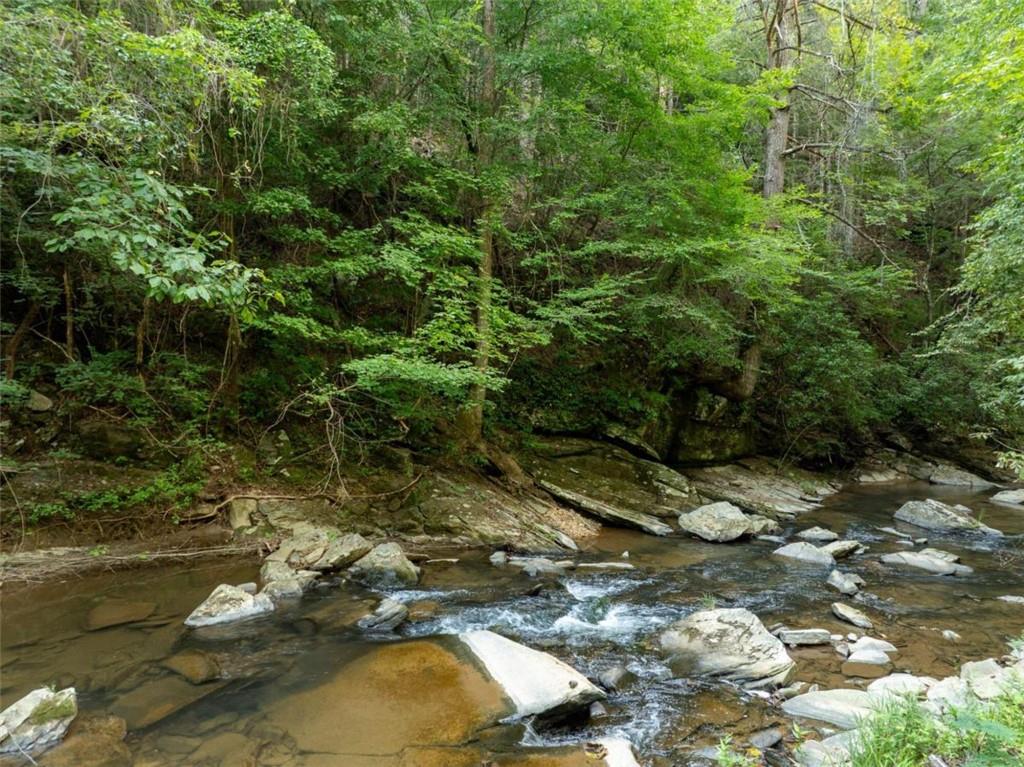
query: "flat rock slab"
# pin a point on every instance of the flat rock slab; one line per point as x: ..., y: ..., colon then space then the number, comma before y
x: 117, y: 612
x: 157, y: 699
x: 805, y: 552
x: 196, y: 666
x: 851, y: 615
x: 840, y: 549
x: 918, y: 560
x: 842, y: 708
x: 952, y: 475
x: 904, y: 685
x: 869, y: 664
x: 1009, y: 497
x: 535, y: 682
x: 614, y: 515
x: 730, y: 644
x: 805, y: 636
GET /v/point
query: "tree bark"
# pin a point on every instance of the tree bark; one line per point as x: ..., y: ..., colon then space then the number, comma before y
x: 779, y: 28
x: 140, y: 333
x: 19, y: 335
x: 69, y: 316
x: 471, y: 418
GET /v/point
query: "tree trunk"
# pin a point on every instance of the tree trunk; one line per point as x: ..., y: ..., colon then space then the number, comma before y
x: 232, y: 367
x: 69, y: 316
x: 19, y: 335
x: 471, y: 418
x: 140, y: 333
x: 778, y: 31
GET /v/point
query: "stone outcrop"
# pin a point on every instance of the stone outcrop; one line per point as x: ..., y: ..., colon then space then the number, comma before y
x: 757, y: 485
x: 614, y: 515
x: 729, y: 644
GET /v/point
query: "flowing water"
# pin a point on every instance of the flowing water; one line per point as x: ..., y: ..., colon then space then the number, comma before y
x: 303, y: 687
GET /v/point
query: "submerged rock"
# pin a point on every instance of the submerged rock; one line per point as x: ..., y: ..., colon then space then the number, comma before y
x: 37, y: 721
x: 387, y: 617
x: 195, y: 665
x: 935, y: 515
x: 227, y: 604
x: 386, y: 565
x: 91, y: 742
x: 117, y: 612
x: 851, y: 615
x: 535, y: 682
x: 731, y: 644
x: 805, y: 552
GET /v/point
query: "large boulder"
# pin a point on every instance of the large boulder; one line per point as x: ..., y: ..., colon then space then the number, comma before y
x: 805, y: 552
x: 37, y: 721
x: 535, y: 682
x: 228, y: 604
x: 718, y: 522
x: 386, y: 566
x: 730, y: 644
x: 935, y: 515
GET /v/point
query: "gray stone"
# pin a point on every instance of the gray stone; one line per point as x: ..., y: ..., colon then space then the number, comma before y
x: 38, y: 720
x: 730, y: 644
x: 935, y: 515
x: 616, y: 678
x: 840, y: 549
x: 817, y: 535
x: 535, y: 682
x: 386, y: 565
x: 387, y: 617
x: 227, y: 604
x: 805, y: 552
x: 612, y: 514
x: 804, y: 636
x: 919, y: 561
x: 870, y: 664
x: 951, y: 475
x: 499, y: 558
x: 1010, y: 497
x: 38, y: 403
x: 240, y: 511
x: 851, y: 615
x: 762, y: 740
x: 900, y: 685
x: 534, y: 566
x: 845, y: 583
x: 874, y: 645
x: 842, y: 708
x: 1012, y: 599
x: 718, y: 522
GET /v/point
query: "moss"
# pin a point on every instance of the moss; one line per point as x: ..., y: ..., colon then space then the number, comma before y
x: 57, y: 707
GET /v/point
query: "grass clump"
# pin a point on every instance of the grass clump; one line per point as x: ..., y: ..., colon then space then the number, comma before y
x: 983, y: 734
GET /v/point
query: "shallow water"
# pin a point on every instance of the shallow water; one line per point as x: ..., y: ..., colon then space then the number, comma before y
x: 304, y: 688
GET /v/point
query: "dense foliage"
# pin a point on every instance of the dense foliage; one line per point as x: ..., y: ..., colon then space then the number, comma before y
x: 383, y: 215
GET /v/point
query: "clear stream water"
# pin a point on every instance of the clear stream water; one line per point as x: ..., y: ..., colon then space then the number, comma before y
x: 590, y: 618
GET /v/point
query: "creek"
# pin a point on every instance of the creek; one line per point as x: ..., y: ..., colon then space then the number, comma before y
x: 302, y: 681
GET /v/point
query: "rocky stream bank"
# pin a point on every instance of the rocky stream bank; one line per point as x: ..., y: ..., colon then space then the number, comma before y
x: 621, y: 612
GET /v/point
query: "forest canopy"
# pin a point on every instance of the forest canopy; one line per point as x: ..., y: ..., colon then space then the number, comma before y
x: 787, y: 222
